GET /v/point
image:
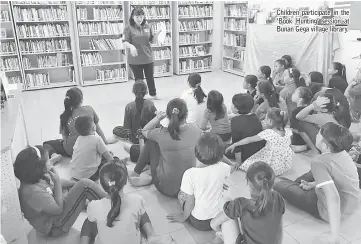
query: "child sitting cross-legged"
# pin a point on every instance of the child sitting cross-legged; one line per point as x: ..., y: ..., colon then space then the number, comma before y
x: 201, y: 192
x: 260, y: 216
x: 277, y: 151
x: 90, y: 152
x: 330, y: 190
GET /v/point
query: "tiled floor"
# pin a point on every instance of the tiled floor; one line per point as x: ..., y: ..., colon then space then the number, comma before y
x: 42, y: 110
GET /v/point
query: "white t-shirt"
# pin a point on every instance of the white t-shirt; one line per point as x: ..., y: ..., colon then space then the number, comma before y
x: 195, y: 110
x: 206, y: 184
x: 126, y: 227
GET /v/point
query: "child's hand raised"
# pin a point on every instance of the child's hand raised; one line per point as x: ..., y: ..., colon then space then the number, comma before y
x: 321, y: 102
x: 307, y: 186
x: 54, y: 175
x: 230, y: 148
x: 160, y: 115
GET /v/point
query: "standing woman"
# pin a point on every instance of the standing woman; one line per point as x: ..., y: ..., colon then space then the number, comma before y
x: 138, y: 37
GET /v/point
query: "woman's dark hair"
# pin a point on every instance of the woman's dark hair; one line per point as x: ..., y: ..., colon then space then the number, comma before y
x: 194, y: 81
x: 270, y: 94
x: 177, y: 112
x: 252, y: 80
x: 296, y: 75
x: 215, y: 104
x: 113, y: 177
x: 337, y: 137
x: 341, y: 69
x: 306, y: 94
x: 137, y: 12
x: 278, y: 118
x: 84, y: 125
x: 262, y: 177
x: 73, y: 98
x: 148, y: 113
x: 281, y: 62
x: 209, y: 149
x: 342, y: 113
x: 139, y: 90
x: 289, y: 61
x: 316, y: 77
x: 29, y: 167
x: 331, y: 107
x: 243, y: 102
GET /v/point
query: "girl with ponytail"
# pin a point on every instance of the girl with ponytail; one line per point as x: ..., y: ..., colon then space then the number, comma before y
x: 338, y: 79
x: 260, y: 216
x: 119, y: 217
x: 170, y: 150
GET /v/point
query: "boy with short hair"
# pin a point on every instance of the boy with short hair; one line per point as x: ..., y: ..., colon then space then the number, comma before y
x: 90, y: 151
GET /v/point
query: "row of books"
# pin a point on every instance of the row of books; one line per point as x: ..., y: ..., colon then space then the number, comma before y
x: 98, y: 2
x: 195, y: 25
x: 47, y: 30
x: 4, y: 15
x: 161, y: 68
x: 58, y: 60
x: 100, y: 13
x: 234, y: 40
x: 230, y: 64
x: 156, y: 12
x: 106, y: 44
x: 190, y: 51
x: 190, y: 65
x: 195, y: 2
x: 236, y: 10
x: 235, y: 24
x: 44, y: 46
x: 37, y: 79
x: 162, y: 54
x: 40, y: 2
x: 88, y: 59
x: 40, y: 14
x: 148, y: 2
x: 239, y: 54
x: 110, y: 74
x: 14, y: 79
x: 7, y: 64
x: 191, y: 38
x: 8, y: 47
x: 155, y: 26
x: 100, y: 28
x: 195, y: 11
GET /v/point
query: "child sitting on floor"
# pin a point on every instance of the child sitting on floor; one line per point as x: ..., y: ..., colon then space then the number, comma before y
x: 216, y: 115
x: 330, y: 190
x: 90, y: 152
x: 353, y: 94
x: 201, y: 192
x: 314, y: 81
x: 260, y: 216
x: 118, y: 217
x: 264, y: 74
x: 250, y: 83
x: 277, y: 152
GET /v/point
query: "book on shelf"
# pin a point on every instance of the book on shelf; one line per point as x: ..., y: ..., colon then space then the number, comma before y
x: 82, y: 13
x: 148, y: 2
x: 192, y: 38
x: 41, y: 14
x: 52, y: 45
x: 195, y: 25
x: 190, y: 51
x: 236, y: 10
x: 9, y: 64
x: 106, y: 44
x: 36, y: 80
x: 40, y: 2
x: 107, y: 13
x: 156, y: 26
x: 4, y: 15
x: 239, y: 55
x: 53, y: 61
x: 111, y: 74
x: 88, y: 59
x: 8, y: 47
x: 156, y: 12
x: 189, y: 65
x: 3, y: 33
x: 98, y: 2
x: 162, y: 54
x: 103, y: 28
x: 195, y: 2
x: 14, y: 79
x: 235, y: 24
x: 46, y: 30
x: 161, y: 69
x: 195, y: 11
x: 237, y: 40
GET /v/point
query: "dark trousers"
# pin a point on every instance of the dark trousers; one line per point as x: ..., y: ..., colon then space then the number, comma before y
x: 139, y: 70
x: 310, y: 129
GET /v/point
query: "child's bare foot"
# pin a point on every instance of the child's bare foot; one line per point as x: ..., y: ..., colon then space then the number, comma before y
x: 311, y: 153
x: 142, y: 180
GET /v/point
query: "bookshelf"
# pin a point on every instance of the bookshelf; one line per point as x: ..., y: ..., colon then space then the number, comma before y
x: 43, y: 33
x: 234, y: 36
x: 194, y: 40
x: 155, y: 13
x: 102, y: 56
x: 9, y: 55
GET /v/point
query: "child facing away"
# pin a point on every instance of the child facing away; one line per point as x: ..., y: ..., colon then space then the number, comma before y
x: 300, y: 140
x: 264, y: 74
x: 277, y: 151
x: 216, y: 115
x: 244, y: 124
x: 330, y: 190
x: 260, y: 216
x: 353, y: 94
x: 132, y: 114
x: 90, y: 152
x: 118, y: 216
x: 201, y: 192
x: 41, y: 197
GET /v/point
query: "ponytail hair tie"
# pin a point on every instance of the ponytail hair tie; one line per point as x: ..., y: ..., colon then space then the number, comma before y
x: 37, y: 152
x: 197, y: 85
x: 111, y: 183
x: 282, y: 113
x: 175, y: 111
x: 67, y: 97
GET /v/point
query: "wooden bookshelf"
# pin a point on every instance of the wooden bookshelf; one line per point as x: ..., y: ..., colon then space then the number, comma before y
x: 9, y: 56
x: 235, y: 25
x: 102, y: 58
x: 194, y: 36
x: 43, y: 31
x: 156, y: 12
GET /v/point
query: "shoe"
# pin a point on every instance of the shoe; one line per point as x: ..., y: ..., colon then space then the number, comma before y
x: 155, y: 97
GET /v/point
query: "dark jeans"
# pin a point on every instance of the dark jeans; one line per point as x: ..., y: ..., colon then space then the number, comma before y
x: 295, y: 195
x: 139, y: 70
x: 56, y: 146
x: 310, y: 129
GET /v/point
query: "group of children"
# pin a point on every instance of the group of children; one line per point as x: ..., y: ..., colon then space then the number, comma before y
x: 261, y: 132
